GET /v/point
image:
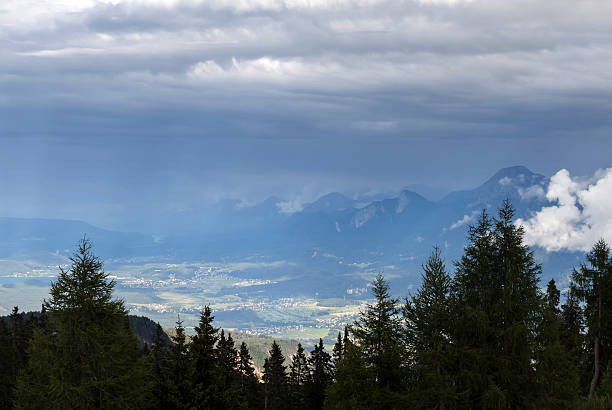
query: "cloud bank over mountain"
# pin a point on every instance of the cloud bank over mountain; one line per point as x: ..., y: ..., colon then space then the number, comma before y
x: 582, y: 213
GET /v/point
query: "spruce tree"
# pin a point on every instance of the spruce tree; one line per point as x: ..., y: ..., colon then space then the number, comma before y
x: 519, y: 308
x: 298, y: 373
x: 354, y: 386
x: 553, y: 296
x: 320, y: 376
x: 205, y: 356
x: 275, y: 380
x: 573, y: 337
x: 20, y: 336
x: 90, y: 359
x: 573, y: 323
x: 338, y: 350
x: 428, y: 336
x: 229, y: 377
x: 249, y: 384
x: 181, y: 384
x: 162, y: 369
x: 496, y: 310
x: 7, y: 366
x: 593, y: 286
x: 378, y: 333
x: 556, y: 370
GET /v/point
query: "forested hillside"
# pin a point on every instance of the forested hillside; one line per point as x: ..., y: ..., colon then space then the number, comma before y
x: 486, y: 334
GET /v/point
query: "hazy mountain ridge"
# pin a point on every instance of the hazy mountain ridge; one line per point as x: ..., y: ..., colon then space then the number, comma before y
x: 334, y: 223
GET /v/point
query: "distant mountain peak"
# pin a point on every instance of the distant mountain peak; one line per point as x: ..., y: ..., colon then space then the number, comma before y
x: 517, y: 176
x: 517, y: 183
x: 512, y: 172
x: 334, y: 201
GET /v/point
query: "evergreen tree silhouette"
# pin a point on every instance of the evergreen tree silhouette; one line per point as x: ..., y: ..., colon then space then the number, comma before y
x: 90, y: 359
x: 320, y: 376
x: 428, y: 336
x: 275, y: 380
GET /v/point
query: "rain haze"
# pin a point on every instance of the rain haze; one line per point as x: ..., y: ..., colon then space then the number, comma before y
x: 112, y: 110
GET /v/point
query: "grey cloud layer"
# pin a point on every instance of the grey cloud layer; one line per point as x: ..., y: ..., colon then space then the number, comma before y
x: 369, y: 82
x: 462, y: 52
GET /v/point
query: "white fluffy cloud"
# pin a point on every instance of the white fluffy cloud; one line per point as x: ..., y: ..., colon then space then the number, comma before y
x: 582, y: 214
x: 532, y: 192
x: 465, y: 220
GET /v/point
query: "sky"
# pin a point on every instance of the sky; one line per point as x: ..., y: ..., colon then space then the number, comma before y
x: 110, y: 108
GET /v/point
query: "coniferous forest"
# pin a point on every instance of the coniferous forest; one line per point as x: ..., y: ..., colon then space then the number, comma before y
x: 484, y: 334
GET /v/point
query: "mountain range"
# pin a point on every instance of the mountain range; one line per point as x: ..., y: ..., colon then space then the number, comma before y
x: 395, y: 231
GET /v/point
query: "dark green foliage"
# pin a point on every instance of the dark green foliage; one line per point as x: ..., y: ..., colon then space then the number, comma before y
x: 378, y: 332
x: 497, y: 308
x: 228, y: 377
x: 553, y: 296
x: 20, y: 331
x: 375, y: 358
x: 428, y: 337
x: 354, y: 385
x: 204, y: 355
x: 15, y: 333
x: 249, y: 384
x: 90, y: 358
x: 603, y: 397
x: 181, y: 386
x: 7, y: 367
x: 298, y: 375
x: 338, y: 350
x: 319, y: 377
x: 593, y: 286
x: 161, y: 368
x: 275, y: 380
x: 573, y: 323
x: 557, y: 373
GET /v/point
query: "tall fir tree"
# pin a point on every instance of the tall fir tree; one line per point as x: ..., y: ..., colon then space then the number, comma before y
x: 473, y: 299
x: 228, y: 376
x: 338, y: 350
x: 378, y: 333
x: 275, y: 380
x: 249, y: 384
x: 91, y: 358
x: 354, y: 386
x: 497, y: 306
x: 7, y: 366
x: 573, y: 322
x: 181, y: 383
x: 428, y: 338
x: 20, y: 336
x: 320, y: 376
x: 205, y: 356
x: 593, y: 287
x: 298, y: 374
x: 161, y: 369
x: 556, y: 369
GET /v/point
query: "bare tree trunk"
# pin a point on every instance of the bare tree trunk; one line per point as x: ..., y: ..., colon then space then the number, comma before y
x: 596, y: 370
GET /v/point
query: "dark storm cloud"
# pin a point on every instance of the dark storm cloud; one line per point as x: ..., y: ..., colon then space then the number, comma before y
x: 197, y: 100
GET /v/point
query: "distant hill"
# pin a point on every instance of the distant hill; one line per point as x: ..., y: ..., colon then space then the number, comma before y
x: 145, y: 329
x: 23, y: 237
x: 142, y: 326
x: 259, y: 346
